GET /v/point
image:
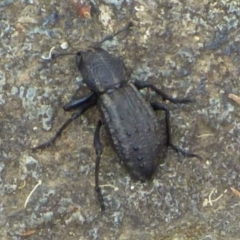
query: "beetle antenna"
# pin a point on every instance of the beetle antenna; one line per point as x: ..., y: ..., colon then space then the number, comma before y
x: 55, y: 55
x: 52, y: 56
x: 110, y: 37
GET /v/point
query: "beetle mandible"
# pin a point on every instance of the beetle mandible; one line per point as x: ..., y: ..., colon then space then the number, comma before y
x: 130, y: 122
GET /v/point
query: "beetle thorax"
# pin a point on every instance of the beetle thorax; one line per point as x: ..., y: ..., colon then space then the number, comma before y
x: 100, y: 70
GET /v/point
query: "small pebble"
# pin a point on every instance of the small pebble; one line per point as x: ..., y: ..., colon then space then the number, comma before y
x: 64, y: 45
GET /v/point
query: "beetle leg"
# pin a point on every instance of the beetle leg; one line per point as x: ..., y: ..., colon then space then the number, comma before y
x: 145, y: 84
x: 77, y: 103
x: 163, y: 107
x: 83, y: 106
x: 98, y: 148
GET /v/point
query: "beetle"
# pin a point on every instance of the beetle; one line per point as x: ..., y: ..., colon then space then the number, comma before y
x: 130, y: 121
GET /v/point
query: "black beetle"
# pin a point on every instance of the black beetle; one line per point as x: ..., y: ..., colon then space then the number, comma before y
x: 129, y: 120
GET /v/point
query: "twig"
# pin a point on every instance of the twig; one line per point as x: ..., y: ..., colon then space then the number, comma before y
x: 30, y: 194
x: 49, y: 55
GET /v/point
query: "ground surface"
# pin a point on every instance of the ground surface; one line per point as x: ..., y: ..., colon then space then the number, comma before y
x: 189, y: 49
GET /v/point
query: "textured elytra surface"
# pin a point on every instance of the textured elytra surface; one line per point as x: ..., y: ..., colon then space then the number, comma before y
x: 134, y: 130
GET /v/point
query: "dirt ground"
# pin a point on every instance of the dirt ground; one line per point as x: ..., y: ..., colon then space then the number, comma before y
x: 188, y: 49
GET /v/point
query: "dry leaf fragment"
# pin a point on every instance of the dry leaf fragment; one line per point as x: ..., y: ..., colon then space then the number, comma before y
x: 83, y: 10
x: 235, y: 191
x: 234, y: 97
x: 28, y: 233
